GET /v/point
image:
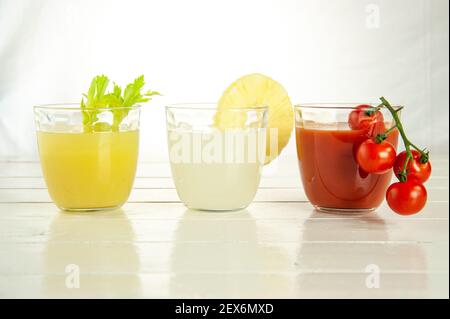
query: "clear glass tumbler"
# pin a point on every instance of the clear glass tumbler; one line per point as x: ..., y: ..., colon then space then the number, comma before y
x: 216, y: 156
x: 88, y: 156
x: 326, y: 148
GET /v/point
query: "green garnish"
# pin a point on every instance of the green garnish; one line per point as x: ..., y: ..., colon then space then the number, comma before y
x: 98, y: 98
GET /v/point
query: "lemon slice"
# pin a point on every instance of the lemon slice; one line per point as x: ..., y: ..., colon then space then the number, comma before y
x: 259, y: 90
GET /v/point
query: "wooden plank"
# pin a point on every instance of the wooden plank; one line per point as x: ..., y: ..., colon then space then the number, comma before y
x: 51, y: 258
x: 215, y: 285
x: 170, y: 195
x: 174, y: 211
x: 247, y: 227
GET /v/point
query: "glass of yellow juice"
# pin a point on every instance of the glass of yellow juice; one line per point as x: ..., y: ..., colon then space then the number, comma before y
x: 88, y: 167
x: 216, y: 156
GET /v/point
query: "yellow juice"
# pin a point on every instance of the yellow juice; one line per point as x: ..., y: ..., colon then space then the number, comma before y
x: 89, y: 170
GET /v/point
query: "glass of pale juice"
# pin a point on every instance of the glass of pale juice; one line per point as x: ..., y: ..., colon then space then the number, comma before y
x: 88, y: 167
x: 216, y: 155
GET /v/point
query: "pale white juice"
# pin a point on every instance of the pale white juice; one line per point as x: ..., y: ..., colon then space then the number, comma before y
x: 216, y: 170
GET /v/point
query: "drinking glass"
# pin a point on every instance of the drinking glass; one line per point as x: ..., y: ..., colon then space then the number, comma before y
x: 88, y: 166
x: 326, y: 149
x: 216, y: 156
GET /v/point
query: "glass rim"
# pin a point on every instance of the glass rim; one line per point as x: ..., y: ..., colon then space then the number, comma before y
x: 209, y: 107
x: 77, y: 107
x: 338, y: 105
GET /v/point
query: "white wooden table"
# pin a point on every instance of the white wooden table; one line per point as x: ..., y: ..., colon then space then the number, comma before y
x: 278, y: 248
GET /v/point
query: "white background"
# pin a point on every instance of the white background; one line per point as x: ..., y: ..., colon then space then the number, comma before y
x: 319, y: 50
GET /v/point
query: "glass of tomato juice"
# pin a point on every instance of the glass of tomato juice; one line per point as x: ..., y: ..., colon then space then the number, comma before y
x: 328, y: 137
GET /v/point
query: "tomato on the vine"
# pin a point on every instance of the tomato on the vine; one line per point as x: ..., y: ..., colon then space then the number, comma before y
x: 406, y: 198
x: 415, y: 169
x: 364, y: 118
x: 376, y: 158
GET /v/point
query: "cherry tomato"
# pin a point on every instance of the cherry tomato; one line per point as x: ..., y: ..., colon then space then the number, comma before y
x: 358, y: 119
x: 406, y: 198
x: 378, y: 128
x: 415, y: 169
x: 376, y: 158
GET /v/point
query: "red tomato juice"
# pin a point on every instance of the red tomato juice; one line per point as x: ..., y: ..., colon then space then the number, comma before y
x: 331, y: 176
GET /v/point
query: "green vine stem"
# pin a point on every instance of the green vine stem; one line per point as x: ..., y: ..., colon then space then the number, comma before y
x: 381, y: 137
x: 402, y: 176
